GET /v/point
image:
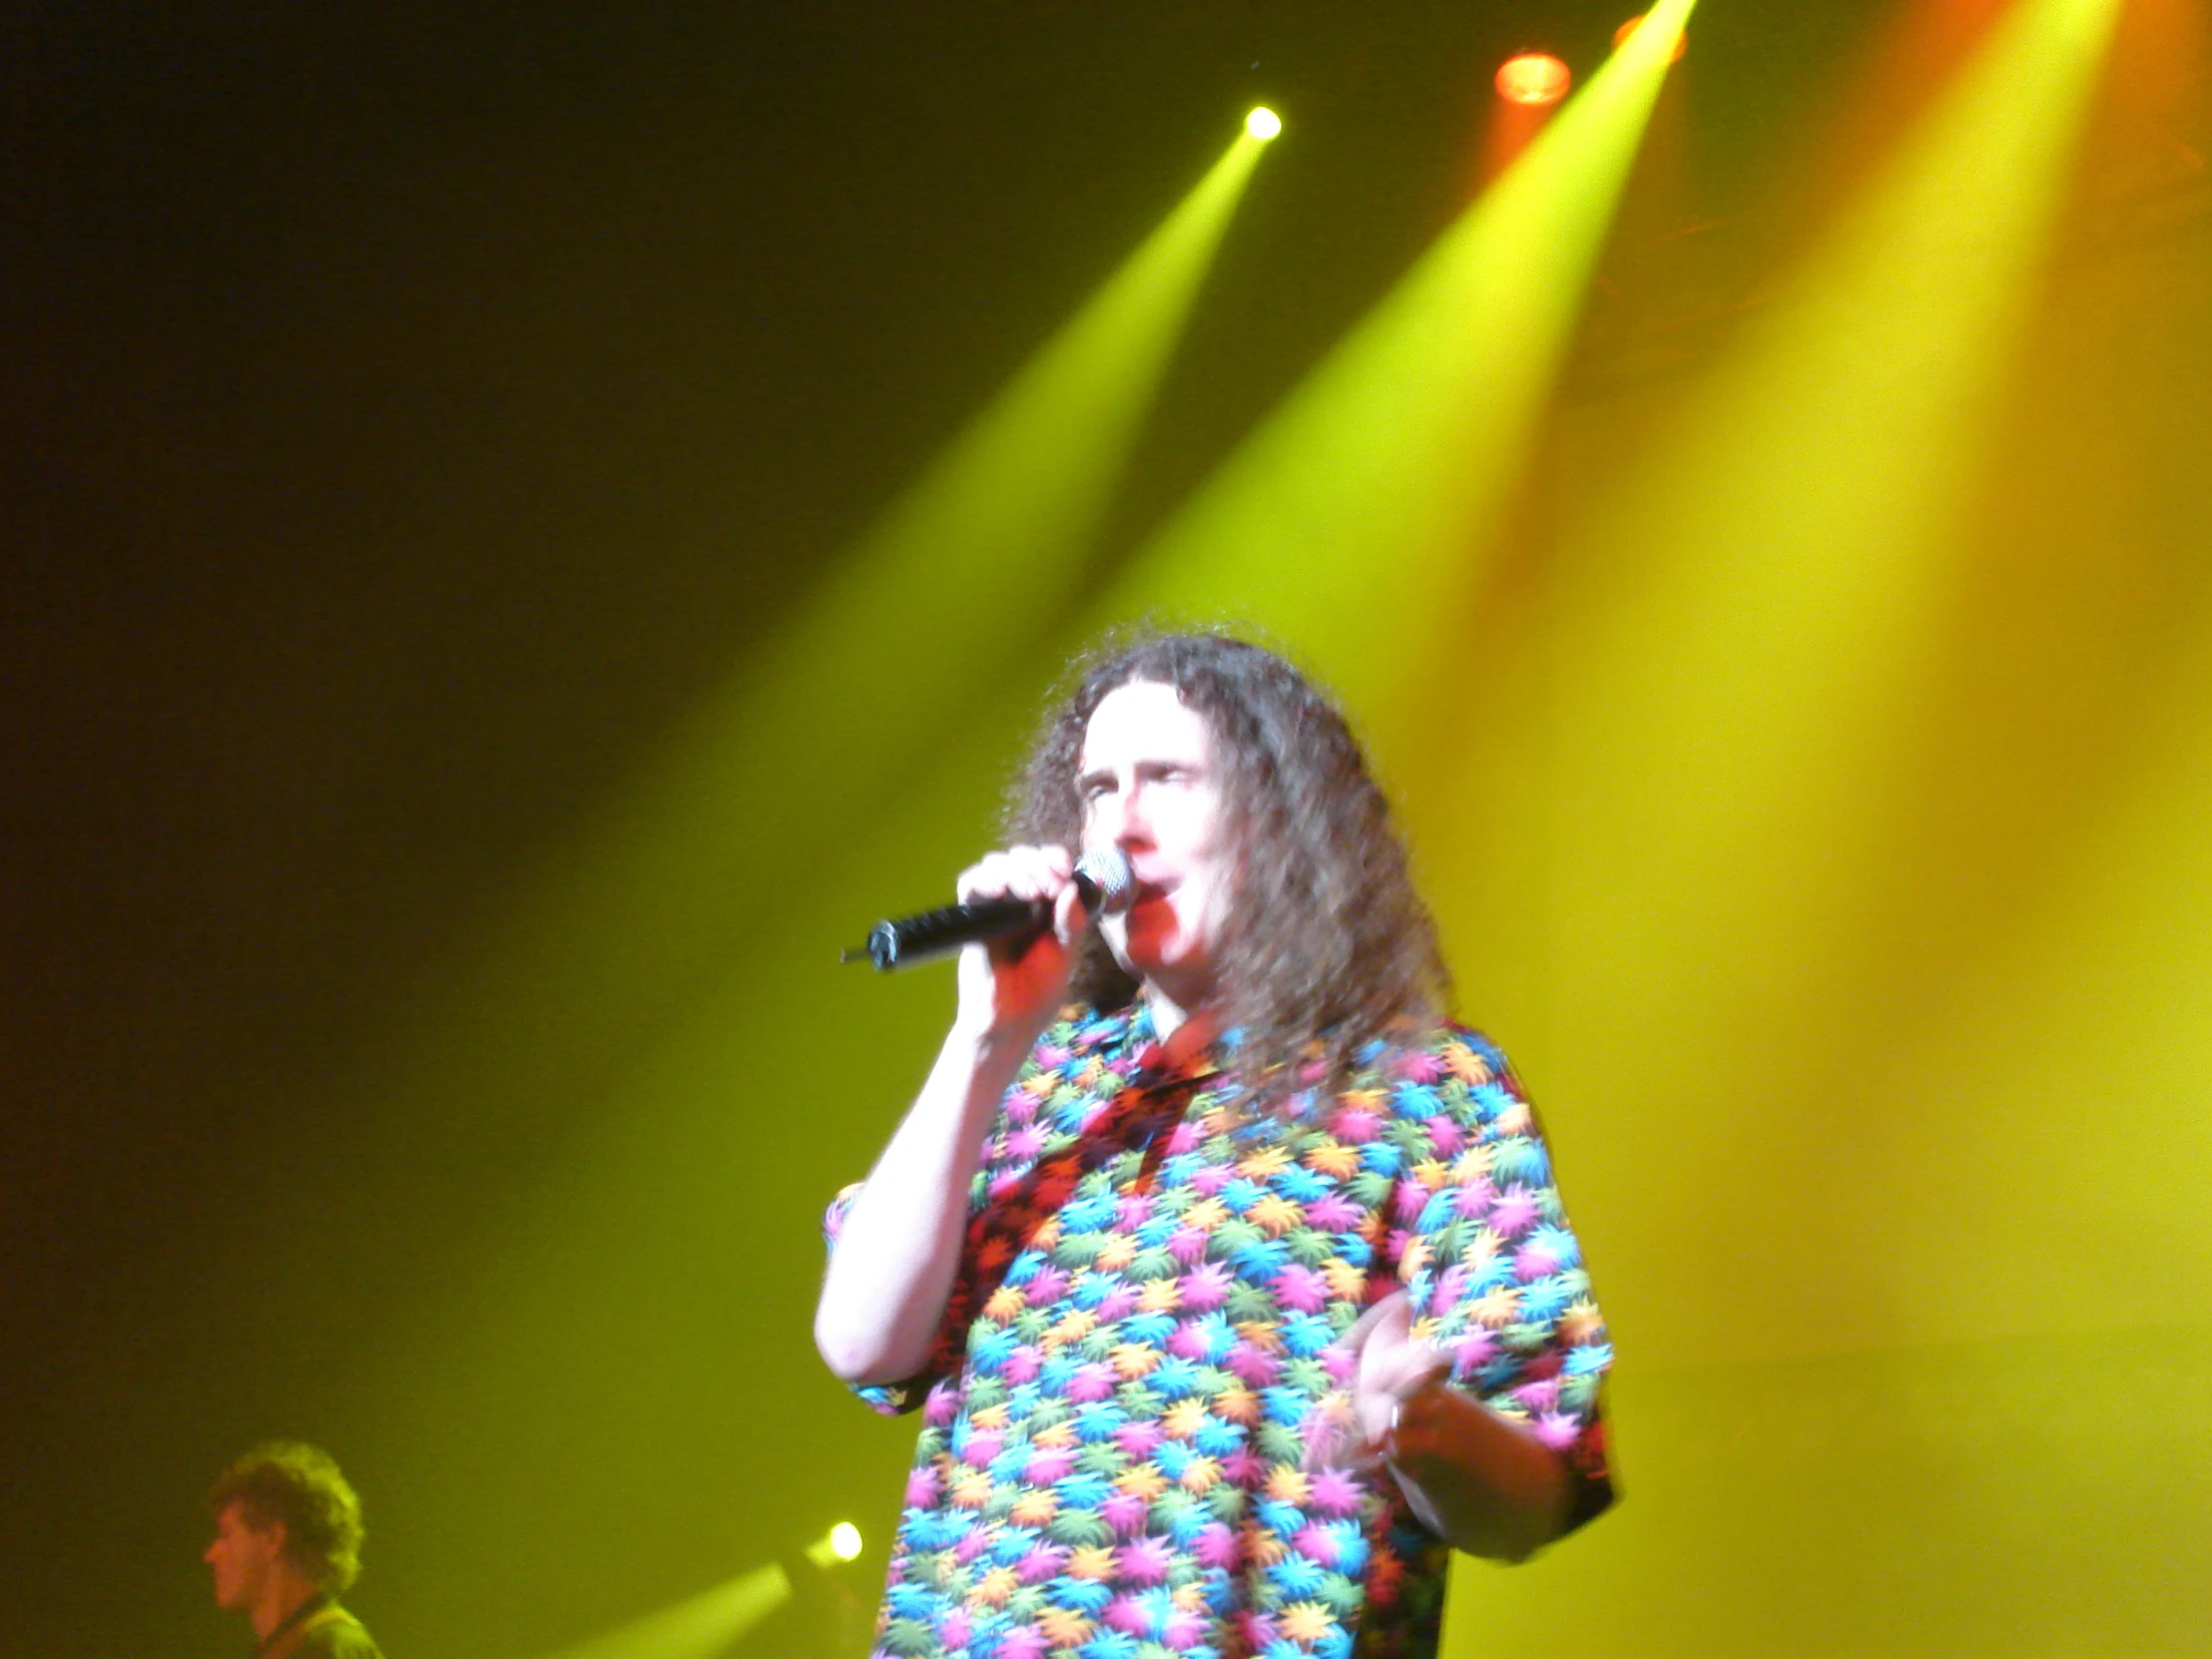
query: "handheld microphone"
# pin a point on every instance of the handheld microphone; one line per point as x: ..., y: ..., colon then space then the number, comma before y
x: 1103, y: 881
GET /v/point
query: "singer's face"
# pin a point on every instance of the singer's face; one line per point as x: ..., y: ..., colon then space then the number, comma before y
x: 1150, y: 787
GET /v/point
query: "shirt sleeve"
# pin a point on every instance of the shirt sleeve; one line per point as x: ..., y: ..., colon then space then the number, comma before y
x: 1492, y: 1270
x: 1015, y: 1191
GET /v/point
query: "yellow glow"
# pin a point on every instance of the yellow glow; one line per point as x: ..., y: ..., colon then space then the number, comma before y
x: 845, y: 1541
x: 1263, y: 124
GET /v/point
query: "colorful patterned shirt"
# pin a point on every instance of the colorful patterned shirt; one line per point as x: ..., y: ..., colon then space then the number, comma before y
x: 1155, y: 1271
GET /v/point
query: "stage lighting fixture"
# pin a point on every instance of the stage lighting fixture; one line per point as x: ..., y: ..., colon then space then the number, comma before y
x: 1532, y: 78
x: 1263, y: 124
x: 1620, y: 39
x: 845, y: 1541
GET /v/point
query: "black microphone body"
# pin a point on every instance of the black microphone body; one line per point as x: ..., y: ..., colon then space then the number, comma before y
x: 1102, y: 883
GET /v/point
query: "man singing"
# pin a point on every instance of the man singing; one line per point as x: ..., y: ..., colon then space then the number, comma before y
x: 1234, y: 1275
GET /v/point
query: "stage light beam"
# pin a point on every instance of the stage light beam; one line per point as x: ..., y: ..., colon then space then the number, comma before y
x: 1263, y: 124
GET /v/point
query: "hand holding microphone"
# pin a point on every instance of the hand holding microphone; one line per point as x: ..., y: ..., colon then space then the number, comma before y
x: 1008, y: 896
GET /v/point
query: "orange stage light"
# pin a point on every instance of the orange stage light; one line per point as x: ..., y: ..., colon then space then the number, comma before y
x: 1532, y: 78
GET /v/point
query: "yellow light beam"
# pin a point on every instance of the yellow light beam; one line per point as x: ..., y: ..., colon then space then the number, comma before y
x: 1361, y: 496
x: 1745, y: 626
x: 700, y: 1628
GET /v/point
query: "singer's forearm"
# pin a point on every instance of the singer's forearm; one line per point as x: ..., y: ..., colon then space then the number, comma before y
x: 892, y: 1268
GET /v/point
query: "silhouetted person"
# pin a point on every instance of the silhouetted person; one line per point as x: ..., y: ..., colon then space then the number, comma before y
x: 288, y: 1544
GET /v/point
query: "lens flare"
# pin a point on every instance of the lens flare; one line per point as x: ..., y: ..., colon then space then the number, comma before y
x: 845, y: 1541
x: 1263, y: 124
x: 1622, y: 33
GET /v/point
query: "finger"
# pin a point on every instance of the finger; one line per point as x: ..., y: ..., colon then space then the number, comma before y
x: 1362, y: 1329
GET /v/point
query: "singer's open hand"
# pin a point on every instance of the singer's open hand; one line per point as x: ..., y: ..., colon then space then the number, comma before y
x: 1014, y: 986
x: 1387, y: 1366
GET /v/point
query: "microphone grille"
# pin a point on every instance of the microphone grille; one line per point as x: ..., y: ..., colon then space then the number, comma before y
x: 1106, y: 880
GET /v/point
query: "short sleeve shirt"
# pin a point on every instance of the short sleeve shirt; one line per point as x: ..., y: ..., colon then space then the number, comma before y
x: 1156, y: 1269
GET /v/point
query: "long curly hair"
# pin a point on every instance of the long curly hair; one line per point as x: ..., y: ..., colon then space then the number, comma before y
x: 1326, y: 944
x: 298, y: 1484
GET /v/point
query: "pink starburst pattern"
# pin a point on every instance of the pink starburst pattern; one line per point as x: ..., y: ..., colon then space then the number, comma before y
x: 1334, y: 1212
x: 1023, y: 1641
x: 1356, y: 1126
x: 1475, y: 1199
x: 1534, y: 1262
x: 1046, y: 1286
x: 1146, y: 1560
x: 1335, y: 1365
x: 1205, y: 1288
x: 1125, y: 1513
x: 1182, y: 1631
x: 953, y: 1627
x: 1409, y: 1199
x: 1558, y: 1430
x: 1189, y: 1341
x: 1117, y: 1304
x: 1187, y: 1245
x: 1245, y: 1468
x: 1315, y: 1545
x: 1024, y: 1144
x: 981, y: 1448
x: 1540, y: 1395
x: 1023, y: 1365
x: 1140, y: 1439
x: 1211, y: 1178
x: 1127, y: 1615
x: 1042, y: 1561
x: 1215, y: 1546
x: 974, y: 1543
x: 1254, y: 1367
x: 923, y: 1488
x: 1049, y: 1466
x: 1418, y: 1065
x: 1445, y: 1135
x: 1092, y: 1382
x: 1513, y: 1214
x: 1188, y: 1137
x: 1473, y: 1351
x: 941, y: 1407
x: 1132, y: 1211
x: 1301, y: 1288
x: 1334, y: 1492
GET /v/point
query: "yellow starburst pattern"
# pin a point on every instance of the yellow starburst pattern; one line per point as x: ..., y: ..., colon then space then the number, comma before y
x: 1466, y: 1065
x: 1417, y: 1255
x: 1472, y: 1165
x: 992, y: 1417
x: 1269, y: 1160
x: 1345, y: 1282
x: 1005, y: 1302
x: 1333, y: 1159
x: 1073, y: 1327
x: 1305, y: 1622
x: 992, y: 1589
x: 1274, y: 1215
x: 1054, y: 1434
x: 1140, y: 1480
x: 1262, y: 1548
x: 1120, y: 1251
x: 1199, y: 1476
x: 1516, y: 1119
x: 1064, y: 1628
x: 971, y: 1489
x: 1580, y: 1322
x: 1237, y: 1406
x: 1035, y: 1508
x: 1494, y: 1308
x: 1432, y: 1173
x: 1135, y: 1359
x: 1160, y: 1296
x: 1262, y: 1334
x: 1183, y: 1419
x: 1092, y: 1562
x: 1287, y: 1485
